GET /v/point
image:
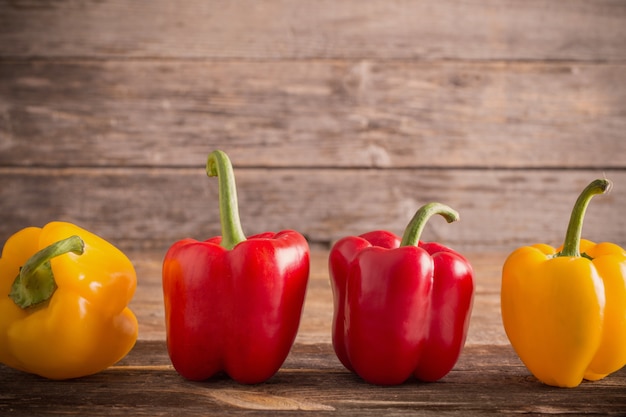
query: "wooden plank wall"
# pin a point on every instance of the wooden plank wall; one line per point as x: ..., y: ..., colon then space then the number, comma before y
x: 340, y: 116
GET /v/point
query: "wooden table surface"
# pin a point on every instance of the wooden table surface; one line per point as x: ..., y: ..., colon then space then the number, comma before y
x: 488, y: 379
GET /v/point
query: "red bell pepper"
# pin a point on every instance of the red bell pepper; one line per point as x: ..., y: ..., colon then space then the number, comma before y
x: 233, y: 304
x: 401, y: 307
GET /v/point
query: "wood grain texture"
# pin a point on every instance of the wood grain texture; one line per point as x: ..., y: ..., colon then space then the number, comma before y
x: 288, y: 29
x: 152, y: 208
x: 340, y: 118
x: 309, y: 114
x: 486, y: 380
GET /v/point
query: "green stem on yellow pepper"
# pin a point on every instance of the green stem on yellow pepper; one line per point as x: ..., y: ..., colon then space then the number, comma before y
x: 35, y: 283
x: 218, y: 164
x: 571, y: 246
x: 415, y: 227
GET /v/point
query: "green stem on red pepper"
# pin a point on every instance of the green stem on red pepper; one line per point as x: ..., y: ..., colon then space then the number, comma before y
x: 35, y: 283
x: 571, y: 246
x: 218, y: 164
x: 415, y: 227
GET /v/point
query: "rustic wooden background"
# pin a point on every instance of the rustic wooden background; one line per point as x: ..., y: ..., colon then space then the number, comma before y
x: 340, y: 116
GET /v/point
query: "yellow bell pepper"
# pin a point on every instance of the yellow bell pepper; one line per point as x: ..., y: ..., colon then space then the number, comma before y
x: 564, y: 310
x: 64, y: 295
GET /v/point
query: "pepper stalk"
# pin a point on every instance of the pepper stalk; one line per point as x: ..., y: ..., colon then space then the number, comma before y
x: 35, y: 283
x: 571, y: 246
x: 219, y: 165
x: 415, y: 227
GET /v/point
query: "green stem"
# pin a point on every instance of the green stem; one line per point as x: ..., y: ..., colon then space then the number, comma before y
x: 218, y: 164
x: 414, y: 230
x: 571, y: 247
x: 35, y: 283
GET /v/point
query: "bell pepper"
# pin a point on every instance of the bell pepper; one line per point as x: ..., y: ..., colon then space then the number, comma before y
x: 564, y: 310
x: 64, y: 313
x: 401, y: 307
x: 233, y: 304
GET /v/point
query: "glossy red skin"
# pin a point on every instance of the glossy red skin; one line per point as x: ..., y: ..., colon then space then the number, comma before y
x: 399, y: 311
x: 234, y: 311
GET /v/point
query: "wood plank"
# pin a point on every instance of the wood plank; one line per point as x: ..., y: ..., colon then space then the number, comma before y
x: 278, y: 29
x: 152, y: 208
x: 486, y: 380
x: 312, y: 114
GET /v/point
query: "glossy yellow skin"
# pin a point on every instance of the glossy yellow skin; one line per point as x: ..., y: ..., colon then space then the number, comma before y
x: 86, y: 325
x: 566, y: 316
